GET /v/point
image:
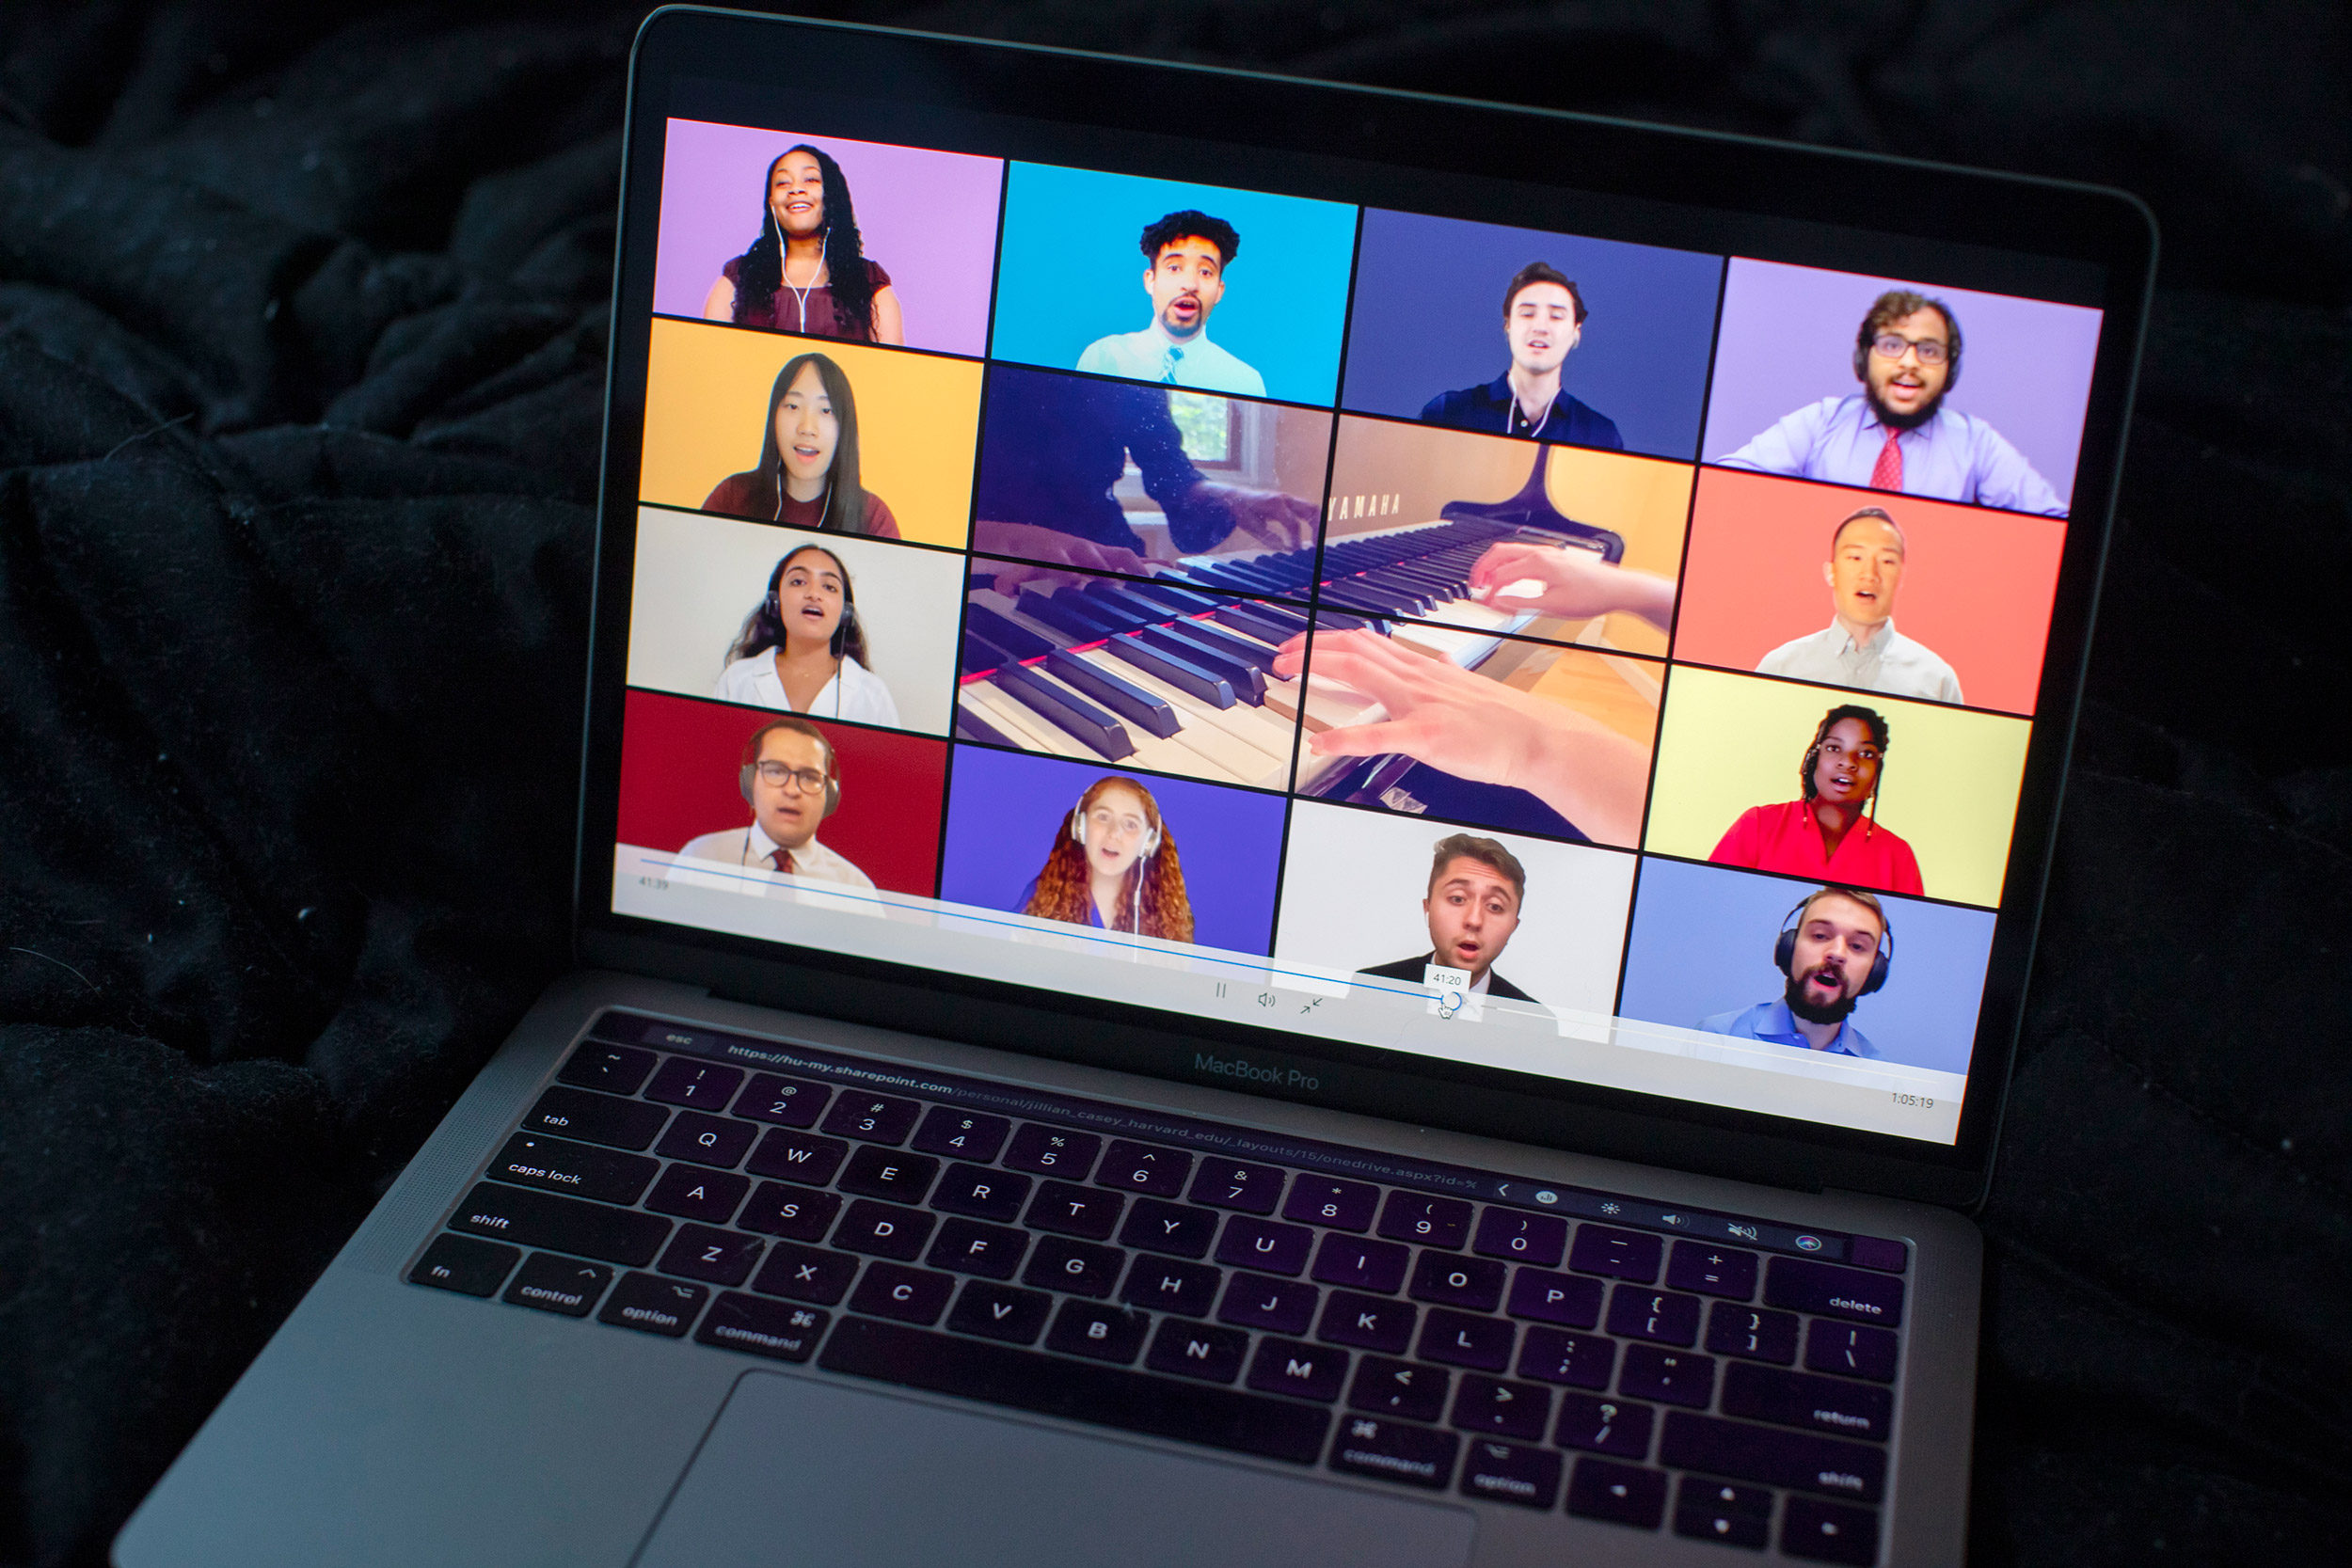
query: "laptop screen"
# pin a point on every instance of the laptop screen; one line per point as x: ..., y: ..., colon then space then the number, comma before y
x: 1538, y: 647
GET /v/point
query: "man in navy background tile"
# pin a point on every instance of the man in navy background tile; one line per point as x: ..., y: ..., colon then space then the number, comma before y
x: 1543, y: 316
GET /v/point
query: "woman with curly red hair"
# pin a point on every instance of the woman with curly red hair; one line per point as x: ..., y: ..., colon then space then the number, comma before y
x: 1114, y: 866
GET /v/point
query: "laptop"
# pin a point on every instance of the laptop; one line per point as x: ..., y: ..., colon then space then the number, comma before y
x: 1310, y: 832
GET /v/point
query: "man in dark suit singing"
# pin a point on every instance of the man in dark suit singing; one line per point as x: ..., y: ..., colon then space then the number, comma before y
x: 1475, y: 890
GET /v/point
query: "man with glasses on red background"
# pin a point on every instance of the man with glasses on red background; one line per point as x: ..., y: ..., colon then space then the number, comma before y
x: 1896, y: 434
x: 792, y: 782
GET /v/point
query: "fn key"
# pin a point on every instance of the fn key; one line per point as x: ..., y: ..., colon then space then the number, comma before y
x: 463, y: 1264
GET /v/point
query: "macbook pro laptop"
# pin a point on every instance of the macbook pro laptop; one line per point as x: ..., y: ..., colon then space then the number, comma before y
x: 1310, y: 832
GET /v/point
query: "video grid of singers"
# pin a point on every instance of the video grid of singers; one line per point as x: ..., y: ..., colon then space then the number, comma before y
x: 1635, y: 631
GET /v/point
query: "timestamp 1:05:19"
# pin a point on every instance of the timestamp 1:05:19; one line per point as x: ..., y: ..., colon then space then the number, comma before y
x: 1919, y: 1101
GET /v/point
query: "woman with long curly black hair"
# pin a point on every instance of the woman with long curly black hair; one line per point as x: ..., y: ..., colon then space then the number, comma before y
x: 807, y: 272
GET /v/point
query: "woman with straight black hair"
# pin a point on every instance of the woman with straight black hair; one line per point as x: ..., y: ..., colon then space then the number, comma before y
x: 808, y: 466
x: 807, y: 272
x: 803, y: 650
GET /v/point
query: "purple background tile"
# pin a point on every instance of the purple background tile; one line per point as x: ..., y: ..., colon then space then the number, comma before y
x: 929, y: 218
x: 1004, y: 809
x: 1788, y: 340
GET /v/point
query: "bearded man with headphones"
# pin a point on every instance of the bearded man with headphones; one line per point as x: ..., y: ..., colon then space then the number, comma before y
x: 1835, y: 948
x: 791, y: 781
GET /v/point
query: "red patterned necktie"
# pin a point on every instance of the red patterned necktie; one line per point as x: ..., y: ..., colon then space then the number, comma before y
x: 1887, y: 472
x: 781, y: 859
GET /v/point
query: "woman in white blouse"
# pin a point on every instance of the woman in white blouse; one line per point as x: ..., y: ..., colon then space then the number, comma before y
x: 803, y: 650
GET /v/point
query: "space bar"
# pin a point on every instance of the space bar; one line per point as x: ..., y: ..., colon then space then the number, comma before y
x: 1078, y: 1390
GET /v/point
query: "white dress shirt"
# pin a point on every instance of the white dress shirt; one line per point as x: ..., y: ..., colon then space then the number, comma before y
x: 1151, y: 354
x: 751, y: 845
x: 1889, y: 663
x: 855, y: 693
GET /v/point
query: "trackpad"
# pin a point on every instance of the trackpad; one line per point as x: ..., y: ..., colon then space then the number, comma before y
x: 798, y: 1471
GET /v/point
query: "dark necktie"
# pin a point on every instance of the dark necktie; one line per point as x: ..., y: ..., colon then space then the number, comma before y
x: 781, y: 860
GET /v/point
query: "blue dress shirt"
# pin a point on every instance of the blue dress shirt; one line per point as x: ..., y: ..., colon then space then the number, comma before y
x: 1488, y: 408
x: 1771, y: 1023
x: 1952, y: 457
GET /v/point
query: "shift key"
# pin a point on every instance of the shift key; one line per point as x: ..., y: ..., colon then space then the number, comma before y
x: 560, y: 1166
x: 534, y: 1219
x: 596, y: 1119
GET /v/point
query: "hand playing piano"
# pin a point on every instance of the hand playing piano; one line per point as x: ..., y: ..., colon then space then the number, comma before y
x: 1441, y: 714
x: 1263, y: 519
x: 1570, y: 583
x: 1062, y: 557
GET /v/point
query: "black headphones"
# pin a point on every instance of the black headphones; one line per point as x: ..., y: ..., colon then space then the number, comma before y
x: 1951, y: 374
x: 751, y: 766
x: 1785, y: 945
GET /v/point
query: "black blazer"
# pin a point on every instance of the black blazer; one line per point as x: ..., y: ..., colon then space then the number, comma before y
x: 1411, y: 969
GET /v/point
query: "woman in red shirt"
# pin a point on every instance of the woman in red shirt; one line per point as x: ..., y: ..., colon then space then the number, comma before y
x: 807, y: 272
x: 1829, y: 835
x: 807, y: 475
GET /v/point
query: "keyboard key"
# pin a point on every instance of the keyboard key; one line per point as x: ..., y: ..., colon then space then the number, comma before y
x: 1078, y: 1390
x: 1511, y: 1473
x: 1440, y: 1222
x: 793, y: 1213
x: 1755, y: 1333
x: 1495, y: 1407
x: 1673, y: 1377
x: 1283, y: 1306
x: 1522, y: 1237
x: 1730, y: 1529
x: 1187, y: 1290
x: 1133, y: 1167
x: 1389, y: 1387
x: 1175, y: 1228
x: 1801, y: 1285
x: 1321, y: 1201
x: 983, y: 1193
x: 613, y: 1069
x: 970, y: 1247
x: 1875, y: 1252
x: 798, y: 1156
x: 1419, y: 1456
x: 1621, y: 1254
x: 553, y: 1284
x: 1619, y: 1493
x: 909, y: 1295
x: 464, y: 1264
x: 805, y: 1273
x: 1295, y: 1367
x: 704, y: 1086
x: 1700, y: 1495
x: 1472, y: 1282
x: 1060, y: 1264
x: 560, y: 1166
x: 652, y: 1304
x: 1003, y: 1312
x: 1800, y: 1400
x: 1773, y: 1456
x: 1264, y: 1244
x: 1197, y: 1349
x: 1050, y: 1152
x: 1578, y: 1360
x: 1233, y: 1184
x: 884, y: 1229
x: 1712, y: 1271
x: 769, y: 1328
x: 535, y: 1219
x: 707, y: 1140
x: 1828, y: 1532
x: 1099, y: 1330
x: 689, y: 1193
x: 785, y: 1101
x: 1367, y: 1323
x: 874, y: 1118
x: 1570, y: 1299
x: 1366, y: 1265
x: 875, y: 1172
x: 1069, y: 1210
x: 1656, y: 1315
x: 596, y: 1119
x: 954, y: 1135
x: 1850, y: 1349
x: 1604, y: 1426
x: 718, y: 1256
x: 1460, y: 1340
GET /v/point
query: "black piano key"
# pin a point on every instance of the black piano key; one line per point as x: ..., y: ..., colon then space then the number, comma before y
x: 1262, y: 578
x: 1247, y: 684
x: 1132, y: 609
x: 1005, y: 632
x: 971, y: 726
x: 1232, y: 578
x: 1248, y: 650
x: 1327, y: 620
x: 1128, y: 701
x: 1066, y: 708
x: 1070, y: 613
x: 1181, y: 601
x: 1263, y: 621
x: 1175, y: 665
x: 979, y: 657
x: 1190, y: 1411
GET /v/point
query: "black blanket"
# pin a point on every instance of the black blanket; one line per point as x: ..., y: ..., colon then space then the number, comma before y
x: 301, y: 344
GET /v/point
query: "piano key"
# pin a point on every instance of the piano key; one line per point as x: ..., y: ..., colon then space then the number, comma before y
x: 1262, y: 621
x: 1175, y: 665
x: 1199, y: 750
x: 1123, y: 697
x: 1132, y: 610
x: 971, y: 726
x: 980, y: 657
x: 1068, y: 709
x: 1023, y: 726
x: 1253, y: 744
x: 1248, y: 681
x: 1001, y: 630
x: 1183, y: 601
x: 1234, y: 644
x: 1068, y: 613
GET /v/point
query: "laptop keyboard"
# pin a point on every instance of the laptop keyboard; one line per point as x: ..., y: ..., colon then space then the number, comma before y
x: 1547, y: 1347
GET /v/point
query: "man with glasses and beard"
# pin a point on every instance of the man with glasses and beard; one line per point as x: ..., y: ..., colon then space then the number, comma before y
x: 1896, y: 434
x: 792, y: 783
x: 1835, y: 950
